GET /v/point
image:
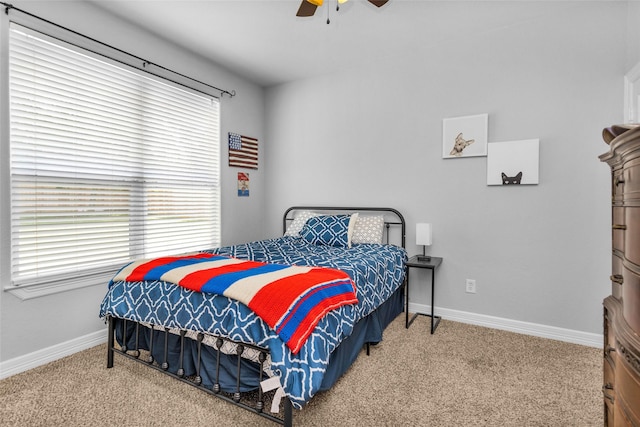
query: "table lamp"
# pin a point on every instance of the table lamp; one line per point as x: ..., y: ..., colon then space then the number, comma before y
x: 423, y: 237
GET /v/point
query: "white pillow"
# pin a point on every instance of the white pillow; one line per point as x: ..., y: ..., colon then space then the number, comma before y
x: 298, y: 222
x: 353, y: 220
x: 368, y: 229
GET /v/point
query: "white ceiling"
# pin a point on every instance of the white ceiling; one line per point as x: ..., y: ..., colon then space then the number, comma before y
x: 264, y: 41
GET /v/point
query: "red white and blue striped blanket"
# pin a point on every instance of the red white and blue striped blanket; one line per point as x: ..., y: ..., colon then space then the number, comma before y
x: 290, y: 299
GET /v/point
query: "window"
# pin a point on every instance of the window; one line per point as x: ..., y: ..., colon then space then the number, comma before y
x: 106, y: 165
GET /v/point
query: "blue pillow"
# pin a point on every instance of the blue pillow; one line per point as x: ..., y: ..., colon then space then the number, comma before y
x: 327, y: 230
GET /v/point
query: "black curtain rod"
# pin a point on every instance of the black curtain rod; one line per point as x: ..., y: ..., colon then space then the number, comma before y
x: 9, y: 7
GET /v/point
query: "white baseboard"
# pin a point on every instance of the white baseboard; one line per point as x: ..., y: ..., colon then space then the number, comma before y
x: 49, y: 354
x: 526, y: 328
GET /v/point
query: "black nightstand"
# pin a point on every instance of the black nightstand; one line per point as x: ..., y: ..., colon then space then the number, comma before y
x: 431, y: 264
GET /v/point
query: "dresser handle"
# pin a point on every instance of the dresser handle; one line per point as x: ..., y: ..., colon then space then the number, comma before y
x: 619, y: 180
x: 619, y: 227
x: 606, y: 388
x: 610, y: 350
x: 617, y: 278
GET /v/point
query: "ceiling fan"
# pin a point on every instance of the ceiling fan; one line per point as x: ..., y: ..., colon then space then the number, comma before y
x: 308, y: 7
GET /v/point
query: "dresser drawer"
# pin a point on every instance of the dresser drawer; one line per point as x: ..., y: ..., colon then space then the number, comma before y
x: 608, y: 392
x: 609, y: 348
x: 621, y: 418
x: 608, y: 413
x: 617, y: 186
x: 618, y: 227
x: 611, y: 309
x: 616, y: 276
x: 631, y: 230
x: 627, y: 391
x: 631, y: 177
x: 609, y: 377
x: 631, y: 299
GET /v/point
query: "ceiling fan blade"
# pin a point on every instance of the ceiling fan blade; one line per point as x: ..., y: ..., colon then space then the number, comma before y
x: 378, y: 3
x: 306, y: 9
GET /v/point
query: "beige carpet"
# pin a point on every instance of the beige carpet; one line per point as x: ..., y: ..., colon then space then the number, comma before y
x: 462, y: 376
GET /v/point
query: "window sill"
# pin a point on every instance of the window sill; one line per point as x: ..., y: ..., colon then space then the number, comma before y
x: 36, y: 291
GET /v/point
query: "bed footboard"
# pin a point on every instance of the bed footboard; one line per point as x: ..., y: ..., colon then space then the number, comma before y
x: 253, y: 401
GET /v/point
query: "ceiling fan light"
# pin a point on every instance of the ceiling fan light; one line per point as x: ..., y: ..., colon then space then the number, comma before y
x: 316, y: 2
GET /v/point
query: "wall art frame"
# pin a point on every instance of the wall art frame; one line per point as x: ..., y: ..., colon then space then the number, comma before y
x: 243, y: 184
x: 513, y: 162
x: 465, y: 136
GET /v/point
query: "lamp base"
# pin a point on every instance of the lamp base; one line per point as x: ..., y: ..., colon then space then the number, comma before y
x: 424, y: 258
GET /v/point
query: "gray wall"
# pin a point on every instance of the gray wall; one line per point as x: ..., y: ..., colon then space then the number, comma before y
x: 633, y: 34
x: 539, y: 254
x: 27, y: 326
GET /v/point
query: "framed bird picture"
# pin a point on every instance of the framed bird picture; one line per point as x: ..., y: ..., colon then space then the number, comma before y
x: 465, y: 136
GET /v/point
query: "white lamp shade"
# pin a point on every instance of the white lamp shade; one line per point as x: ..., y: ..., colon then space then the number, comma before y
x: 423, y: 234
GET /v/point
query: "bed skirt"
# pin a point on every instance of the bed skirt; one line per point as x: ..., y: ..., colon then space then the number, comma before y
x: 217, y: 371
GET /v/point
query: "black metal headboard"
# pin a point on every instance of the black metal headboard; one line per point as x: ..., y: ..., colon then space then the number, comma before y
x: 392, y: 217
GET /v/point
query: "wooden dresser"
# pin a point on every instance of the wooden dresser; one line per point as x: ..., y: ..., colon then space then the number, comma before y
x: 621, y: 380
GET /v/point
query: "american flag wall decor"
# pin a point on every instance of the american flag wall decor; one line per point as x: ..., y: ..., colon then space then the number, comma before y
x: 243, y: 151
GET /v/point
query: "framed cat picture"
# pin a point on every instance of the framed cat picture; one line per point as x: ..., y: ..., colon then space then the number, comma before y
x: 513, y: 162
x: 465, y: 136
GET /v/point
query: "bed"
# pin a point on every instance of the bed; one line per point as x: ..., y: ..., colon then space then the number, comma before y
x: 213, y: 340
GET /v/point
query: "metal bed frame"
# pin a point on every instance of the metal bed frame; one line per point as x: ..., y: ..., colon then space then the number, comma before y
x: 236, y: 398
x: 196, y: 381
x: 399, y: 219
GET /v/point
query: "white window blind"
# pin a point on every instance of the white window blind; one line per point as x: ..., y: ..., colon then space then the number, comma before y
x: 107, y: 164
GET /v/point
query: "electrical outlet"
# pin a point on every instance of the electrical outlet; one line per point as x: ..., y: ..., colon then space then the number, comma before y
x: 471, y: 286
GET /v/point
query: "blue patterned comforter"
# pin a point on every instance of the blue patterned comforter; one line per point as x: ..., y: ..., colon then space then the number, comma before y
x: 377, y: 271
